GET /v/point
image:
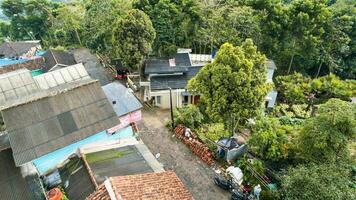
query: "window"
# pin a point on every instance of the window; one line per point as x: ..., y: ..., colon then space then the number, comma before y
x: 158, y: 99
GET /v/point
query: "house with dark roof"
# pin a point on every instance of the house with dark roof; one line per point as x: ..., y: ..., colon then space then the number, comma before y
x: 149, y: 186
x: 175, y: 73
x: 20, y: 49
x: 55, y: 59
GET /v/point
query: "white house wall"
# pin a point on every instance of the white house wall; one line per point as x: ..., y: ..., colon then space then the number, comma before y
x: 177, y: 98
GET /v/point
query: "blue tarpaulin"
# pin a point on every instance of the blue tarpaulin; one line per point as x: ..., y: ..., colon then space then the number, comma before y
x: 7, y: 61
x: 52, y: 160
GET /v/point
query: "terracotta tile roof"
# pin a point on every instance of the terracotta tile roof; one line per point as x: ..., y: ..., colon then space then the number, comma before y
x: 100, y: 194
x: 149, y: 186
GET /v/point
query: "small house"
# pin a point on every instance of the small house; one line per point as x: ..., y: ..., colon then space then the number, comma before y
x: 149, y: 186
x: 20, y: 49
x: 55, y: 59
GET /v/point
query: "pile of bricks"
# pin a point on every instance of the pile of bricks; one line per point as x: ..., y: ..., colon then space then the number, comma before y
x: 197, y: 146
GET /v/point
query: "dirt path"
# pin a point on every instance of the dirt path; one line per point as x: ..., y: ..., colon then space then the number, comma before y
x: 174, y: 155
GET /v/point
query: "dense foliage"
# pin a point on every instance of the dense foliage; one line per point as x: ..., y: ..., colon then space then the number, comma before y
x: 234, y: 85
x: 313, y: 37
x: 298, y: 89
x: 133, y: 37
x: 324, y: 138
x: 270, y: 139
x: 190, y: 116
x: 318, y: 182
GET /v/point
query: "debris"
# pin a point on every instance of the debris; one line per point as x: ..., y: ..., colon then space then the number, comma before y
x: 158, y: 155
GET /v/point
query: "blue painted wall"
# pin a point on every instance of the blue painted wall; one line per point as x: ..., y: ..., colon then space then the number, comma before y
x: 53, y: 159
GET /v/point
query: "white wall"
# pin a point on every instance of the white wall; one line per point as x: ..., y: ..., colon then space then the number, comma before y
x: 177, y: 98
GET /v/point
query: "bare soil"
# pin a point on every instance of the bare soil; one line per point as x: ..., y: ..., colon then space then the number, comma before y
x: 174, y: 155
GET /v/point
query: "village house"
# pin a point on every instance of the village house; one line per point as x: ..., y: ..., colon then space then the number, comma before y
x: 21, y: 49
x: 18, y: 55
x: 54, y: 116
x: 149, y: 186
x: 165, y: 74
x: 173, y: 74
x: 55, y: 59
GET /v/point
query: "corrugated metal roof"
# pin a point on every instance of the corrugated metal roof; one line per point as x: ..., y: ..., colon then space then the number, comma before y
x: 125, y: 101
x: 14, y: 185
x: 62, y: 76
x: 16, y: 84
x: 160, y: 66
x: 41, y: 125
x: 91, y: 64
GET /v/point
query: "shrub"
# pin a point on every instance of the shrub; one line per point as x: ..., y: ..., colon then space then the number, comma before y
x: 190, y: 116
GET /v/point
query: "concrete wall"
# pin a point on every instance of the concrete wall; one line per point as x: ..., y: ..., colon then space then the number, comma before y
x: 177, y: 98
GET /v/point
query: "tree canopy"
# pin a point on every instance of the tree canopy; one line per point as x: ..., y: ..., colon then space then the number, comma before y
x: 324, y: 138
x: 133, y: 36
x: 318, y: 182
x: 234, y: 86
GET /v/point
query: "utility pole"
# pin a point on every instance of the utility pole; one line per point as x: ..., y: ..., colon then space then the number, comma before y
x: 171, y: 103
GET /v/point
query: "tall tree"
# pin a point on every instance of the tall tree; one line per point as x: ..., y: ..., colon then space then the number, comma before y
x: 100, y: 16
x: 308, y: 21
x: 174, y: 21
x: 134, y: 35
x: 67, y: 28
x: 29, y: 19
x: 324, y: 138
x: 234, y: 86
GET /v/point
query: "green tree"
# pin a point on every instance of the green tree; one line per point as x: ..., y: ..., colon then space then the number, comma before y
x: 134, y: 35
x: 293, y: 89
x: 269, y: 139
x: 324, y: 138
x: 234, y: 86
x: 308, y: 21
x: 175, y: 22
x: 317, y: 182
x: 67, y: 28
x: 227, y: 23
x: 298, y: 89
x: 29, y: 19
x: 99, y: 18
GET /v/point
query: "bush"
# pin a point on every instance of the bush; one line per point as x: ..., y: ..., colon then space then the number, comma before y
x: 270, y: 139
x: 210, y: 133
x: 295, y: 111
x: 190, y: 116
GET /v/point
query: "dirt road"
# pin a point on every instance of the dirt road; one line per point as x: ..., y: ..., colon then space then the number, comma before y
x: 174, y: 155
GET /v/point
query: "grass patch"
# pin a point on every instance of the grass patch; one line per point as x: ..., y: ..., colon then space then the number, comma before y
x: 106, y: 155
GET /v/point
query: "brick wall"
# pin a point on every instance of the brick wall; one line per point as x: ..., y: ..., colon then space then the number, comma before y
x: 36, y: 63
